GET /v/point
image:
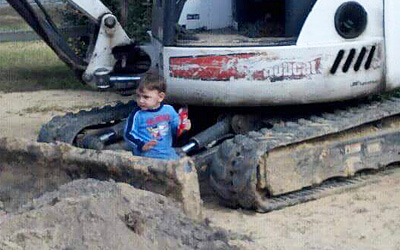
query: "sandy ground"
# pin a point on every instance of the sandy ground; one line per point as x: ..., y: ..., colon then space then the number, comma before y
x: 104, y: 215
x: 366, y: 218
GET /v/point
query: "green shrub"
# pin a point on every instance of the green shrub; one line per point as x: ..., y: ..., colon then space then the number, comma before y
x: 138, y: 23
x: 139, y: 17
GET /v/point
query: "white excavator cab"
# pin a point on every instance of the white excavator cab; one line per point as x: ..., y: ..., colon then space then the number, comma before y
x: 246, y: 53
x: 257, y: 53
x: 392, y: 45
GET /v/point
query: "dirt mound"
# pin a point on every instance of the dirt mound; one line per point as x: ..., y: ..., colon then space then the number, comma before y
x: 95, y: 214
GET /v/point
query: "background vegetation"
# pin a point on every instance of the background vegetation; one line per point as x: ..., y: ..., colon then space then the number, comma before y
x: 9, y: 20
x: 28, y: 66
x: 139, y: 16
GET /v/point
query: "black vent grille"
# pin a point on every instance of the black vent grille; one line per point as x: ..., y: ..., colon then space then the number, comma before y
x: 347, y: 61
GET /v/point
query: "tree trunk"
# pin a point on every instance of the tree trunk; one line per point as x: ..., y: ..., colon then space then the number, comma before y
x: 124, y: 12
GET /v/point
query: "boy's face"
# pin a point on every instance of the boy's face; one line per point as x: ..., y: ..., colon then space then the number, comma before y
x: 149, y: 99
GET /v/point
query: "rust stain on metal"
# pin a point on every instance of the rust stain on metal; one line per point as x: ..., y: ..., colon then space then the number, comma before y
x: 249, y: 66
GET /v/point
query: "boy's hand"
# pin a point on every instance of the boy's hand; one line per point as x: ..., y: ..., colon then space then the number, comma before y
x: 188, y: 125
x: 149, y: 145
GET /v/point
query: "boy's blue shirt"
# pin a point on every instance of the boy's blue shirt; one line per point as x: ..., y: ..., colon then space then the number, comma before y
x: 160, y: 124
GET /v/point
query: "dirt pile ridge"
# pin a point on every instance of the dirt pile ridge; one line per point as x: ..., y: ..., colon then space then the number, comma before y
x: 91, y: 214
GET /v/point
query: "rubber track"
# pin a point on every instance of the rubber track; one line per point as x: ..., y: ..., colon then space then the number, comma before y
x: 66, y: 128
x: 234, y: 166
x: 325, y: 189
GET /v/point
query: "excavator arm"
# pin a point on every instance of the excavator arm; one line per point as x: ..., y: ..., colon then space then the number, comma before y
x: 112, y: 61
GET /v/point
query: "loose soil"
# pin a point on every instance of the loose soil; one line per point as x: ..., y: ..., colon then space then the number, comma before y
x: 366, y: 218
x: 92, y: 214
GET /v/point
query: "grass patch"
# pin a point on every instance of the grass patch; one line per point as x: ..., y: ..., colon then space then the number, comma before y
x: 40, y: 109
x: 29, y: 66
x: 10, y: 20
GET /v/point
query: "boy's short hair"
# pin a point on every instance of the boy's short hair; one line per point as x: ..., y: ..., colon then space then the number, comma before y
x: 152, y: 81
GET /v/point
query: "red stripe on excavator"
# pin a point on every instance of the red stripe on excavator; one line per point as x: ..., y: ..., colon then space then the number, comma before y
x: 213, y: 67
x: 253, y: 66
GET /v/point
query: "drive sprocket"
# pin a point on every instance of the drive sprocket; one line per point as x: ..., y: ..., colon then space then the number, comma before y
x: 234, y: 171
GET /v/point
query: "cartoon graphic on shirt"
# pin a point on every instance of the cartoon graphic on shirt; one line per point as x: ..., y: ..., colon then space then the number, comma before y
x: 158, y: 131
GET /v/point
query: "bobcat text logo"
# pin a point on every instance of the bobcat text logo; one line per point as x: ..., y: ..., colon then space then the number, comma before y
x: 289, y: 71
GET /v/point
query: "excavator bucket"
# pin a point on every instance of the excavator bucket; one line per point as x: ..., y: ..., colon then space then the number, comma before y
x: 28, y: 169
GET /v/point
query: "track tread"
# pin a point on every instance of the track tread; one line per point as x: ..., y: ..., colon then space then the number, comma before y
x: 284, y: 133
x: 65, y: 128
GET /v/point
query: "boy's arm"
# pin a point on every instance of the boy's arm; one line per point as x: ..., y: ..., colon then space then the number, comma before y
x: 131, y: 133
x: 174, y: 122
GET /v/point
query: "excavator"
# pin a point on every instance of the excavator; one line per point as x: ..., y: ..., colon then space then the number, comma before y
x: 294, y: 99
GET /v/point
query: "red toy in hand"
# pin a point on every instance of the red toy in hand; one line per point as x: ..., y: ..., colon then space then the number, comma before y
x: 183, y: 118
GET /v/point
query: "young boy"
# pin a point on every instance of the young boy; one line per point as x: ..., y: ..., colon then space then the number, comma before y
x: 151, y: 128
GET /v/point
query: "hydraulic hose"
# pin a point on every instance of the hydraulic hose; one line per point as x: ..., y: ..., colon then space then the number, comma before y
x: 212, y: 133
